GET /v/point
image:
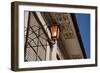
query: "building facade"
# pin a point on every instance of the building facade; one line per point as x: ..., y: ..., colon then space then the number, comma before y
x: 37, y: 37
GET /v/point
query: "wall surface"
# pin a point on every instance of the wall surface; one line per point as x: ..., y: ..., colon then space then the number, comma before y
x: 5, y: 36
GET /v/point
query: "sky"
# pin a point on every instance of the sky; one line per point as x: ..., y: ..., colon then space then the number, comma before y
x: 83, y: 21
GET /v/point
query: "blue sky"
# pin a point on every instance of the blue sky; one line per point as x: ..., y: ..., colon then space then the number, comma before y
x: 83, y: 21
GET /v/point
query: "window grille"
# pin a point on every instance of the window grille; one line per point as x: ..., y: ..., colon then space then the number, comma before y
x: 35, y: 40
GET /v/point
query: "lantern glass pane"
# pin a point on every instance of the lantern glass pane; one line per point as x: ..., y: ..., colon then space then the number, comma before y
x: 53, y: 31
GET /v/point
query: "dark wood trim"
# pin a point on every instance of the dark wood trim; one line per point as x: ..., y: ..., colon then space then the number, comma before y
x: 14, y: 36
x: 55, y: 5
x: 15, y: 31
x: 56, y: 67
x: 96, y: 36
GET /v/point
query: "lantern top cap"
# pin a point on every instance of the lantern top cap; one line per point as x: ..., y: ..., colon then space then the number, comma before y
x: 54, y: 24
